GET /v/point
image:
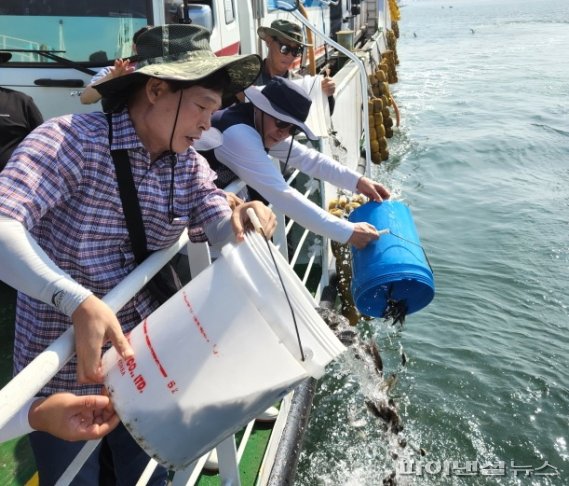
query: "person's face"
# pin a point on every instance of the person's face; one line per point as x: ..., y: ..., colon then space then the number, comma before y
x: 282, y: 54
x: 197, y: 105
x: 274, y: 131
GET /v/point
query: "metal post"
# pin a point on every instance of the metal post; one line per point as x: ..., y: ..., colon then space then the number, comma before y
x: 363, y: 80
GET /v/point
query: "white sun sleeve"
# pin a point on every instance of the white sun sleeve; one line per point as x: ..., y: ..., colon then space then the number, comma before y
x: 27, y: 268
x: 242, y: 152
x: 18, y: 425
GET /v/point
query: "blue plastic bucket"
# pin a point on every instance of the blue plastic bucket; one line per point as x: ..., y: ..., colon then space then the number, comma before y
x: 391, y: 268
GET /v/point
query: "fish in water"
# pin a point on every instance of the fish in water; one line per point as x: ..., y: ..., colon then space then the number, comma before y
x: 347, y: 336
x: 403, y: 358
x: 419, y: 450
x: 395, y: 309
x: 332, y: 318
x: 390, y: 480
x: 387, y: 413
x: 373, y: 351
x: 339, y: 324
x: 389, y: 383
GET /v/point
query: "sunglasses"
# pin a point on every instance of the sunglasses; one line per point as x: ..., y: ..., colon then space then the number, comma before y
x: 282, y: 125
x: 286, y: 49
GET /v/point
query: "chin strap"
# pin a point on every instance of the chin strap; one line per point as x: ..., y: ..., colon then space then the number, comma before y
x: 262, y: 129
x: 173, y: 161
x: 293, y: 133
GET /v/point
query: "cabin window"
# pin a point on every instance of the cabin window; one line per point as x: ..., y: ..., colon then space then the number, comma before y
x: 85, y: 31
x: 229, y: 11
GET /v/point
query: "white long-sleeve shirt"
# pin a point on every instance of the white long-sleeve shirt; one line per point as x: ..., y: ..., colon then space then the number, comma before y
x: 243, y: 153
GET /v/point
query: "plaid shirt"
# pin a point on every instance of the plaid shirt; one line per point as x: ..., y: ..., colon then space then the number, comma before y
x: 61, y: 184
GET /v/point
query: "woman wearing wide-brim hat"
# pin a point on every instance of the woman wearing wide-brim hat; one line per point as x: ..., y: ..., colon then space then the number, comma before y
x: 64, y: 241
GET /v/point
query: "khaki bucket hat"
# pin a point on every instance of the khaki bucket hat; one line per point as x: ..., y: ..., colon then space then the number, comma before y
x: 283, y: 29
x: 181, y: 52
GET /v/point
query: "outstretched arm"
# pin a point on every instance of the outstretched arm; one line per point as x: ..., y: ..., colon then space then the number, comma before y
x: 91, y: 95
x: 242, y: 151
x: 316, y: 164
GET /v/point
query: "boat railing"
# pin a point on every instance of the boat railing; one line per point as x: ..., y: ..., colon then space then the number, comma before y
x: 284, y: 229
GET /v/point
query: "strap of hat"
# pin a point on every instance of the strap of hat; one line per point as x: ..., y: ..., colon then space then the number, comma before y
x: 289, y: 151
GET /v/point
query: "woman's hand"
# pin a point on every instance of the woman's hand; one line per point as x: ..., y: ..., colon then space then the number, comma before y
x: 374, y: 190
x: 240, y: 220
x: 95, y: 323
x: 233, y: 199
x: 71, y: 417
x: 363, y: 233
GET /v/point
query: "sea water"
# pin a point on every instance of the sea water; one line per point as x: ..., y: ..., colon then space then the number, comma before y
x: 482, y: 158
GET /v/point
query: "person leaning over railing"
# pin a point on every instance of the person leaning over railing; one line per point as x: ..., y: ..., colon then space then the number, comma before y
x: 64, y: 241
x: 252, y: 132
